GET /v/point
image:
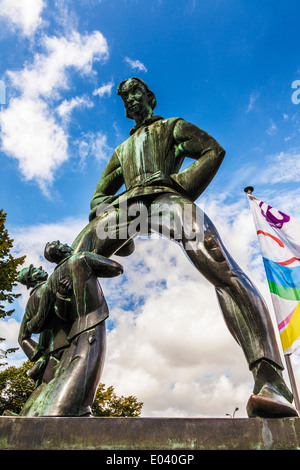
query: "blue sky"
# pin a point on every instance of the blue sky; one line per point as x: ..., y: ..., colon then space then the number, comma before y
x: 225, y: 65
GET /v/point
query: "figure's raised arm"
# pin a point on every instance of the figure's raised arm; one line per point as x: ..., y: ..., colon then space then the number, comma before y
x: 30, y: 347
x: 101, y: 266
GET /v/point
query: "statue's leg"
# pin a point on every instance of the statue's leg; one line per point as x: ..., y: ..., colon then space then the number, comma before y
x: 72, y: 390
x: 106, y: 235
x: 79, y: 374
x: 244, y: 310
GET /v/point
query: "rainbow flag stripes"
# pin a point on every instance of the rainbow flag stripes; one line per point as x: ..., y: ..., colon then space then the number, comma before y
x: 279, y: 236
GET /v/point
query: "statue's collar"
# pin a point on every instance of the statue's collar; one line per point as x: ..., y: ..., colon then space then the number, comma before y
x: 35, y: 287
x: 63, y: 261
x: 145, y: 123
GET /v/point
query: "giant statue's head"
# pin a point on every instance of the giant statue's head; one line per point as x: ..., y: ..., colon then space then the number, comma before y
x: 137, y: 97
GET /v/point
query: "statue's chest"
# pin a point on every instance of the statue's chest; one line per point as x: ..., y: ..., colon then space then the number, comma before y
x: 146, y: 151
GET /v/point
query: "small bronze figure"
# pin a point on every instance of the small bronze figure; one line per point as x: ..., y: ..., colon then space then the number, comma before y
x: 74, y: 296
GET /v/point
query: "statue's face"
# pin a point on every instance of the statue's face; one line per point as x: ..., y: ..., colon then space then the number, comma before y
x: 56, y: 251
x: 64, y: 248
x: 135, y: 98
x: 61, y: 247
x: 38, y: 275
x: 32, y: 276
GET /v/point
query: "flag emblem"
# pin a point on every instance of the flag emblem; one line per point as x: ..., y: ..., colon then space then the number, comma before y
x: 279, y: 241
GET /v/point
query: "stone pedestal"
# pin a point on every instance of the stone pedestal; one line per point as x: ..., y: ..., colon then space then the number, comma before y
x: 172, y: 434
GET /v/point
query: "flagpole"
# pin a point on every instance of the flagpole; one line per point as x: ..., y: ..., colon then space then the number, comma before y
x: 292, y: 380
x: 249, y: 190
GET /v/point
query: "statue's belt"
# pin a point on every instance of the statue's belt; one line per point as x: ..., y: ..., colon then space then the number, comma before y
x: 88, y: 321
x: 151, y: 178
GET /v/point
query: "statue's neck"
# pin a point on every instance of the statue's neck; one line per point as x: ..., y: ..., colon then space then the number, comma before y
x: 144, y: 116
x: 148, y: 121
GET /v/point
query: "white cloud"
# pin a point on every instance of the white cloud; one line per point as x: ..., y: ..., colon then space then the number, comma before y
x: 29, y: 131
x: 22, y: 15
x: 9, y: 328
x: 272, y: 129
x: 32, y: 136
x: 253, y: 98
x: 48, y: 73
x: 65, y: 15
x: 67, y: 106
x: 104, y: 90
x: 95, y: 145
x: 282, y: 167
x: 101, y: 149
x: 136, y: 64
x: 9, y: 331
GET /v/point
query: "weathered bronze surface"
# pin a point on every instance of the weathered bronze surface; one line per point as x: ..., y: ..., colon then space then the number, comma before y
x: 70, y: 304
x: 178, y: 436
x: 149, y: 163
x: 69, y: 310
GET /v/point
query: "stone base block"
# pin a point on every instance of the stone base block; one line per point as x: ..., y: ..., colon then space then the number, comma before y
x: 173, y: 434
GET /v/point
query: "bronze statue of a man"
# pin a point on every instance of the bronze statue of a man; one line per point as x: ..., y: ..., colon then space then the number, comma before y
x: 35, y: 279
x: 47, y: 352
x: 149, y: 163
x: 71, y: 390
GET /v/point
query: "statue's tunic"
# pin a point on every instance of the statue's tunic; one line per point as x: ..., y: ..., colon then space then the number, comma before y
x: 148, y: 162
x: 148, y: 156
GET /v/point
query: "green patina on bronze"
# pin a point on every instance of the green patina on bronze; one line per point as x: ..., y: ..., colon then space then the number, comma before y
x: 69, y: 312
x: 155, y: 434
x: 149, y: 164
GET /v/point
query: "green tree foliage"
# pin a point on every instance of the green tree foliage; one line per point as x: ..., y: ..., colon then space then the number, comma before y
x: 107, y: 403
x: 16, y: 387
x: 8, y: 275
x: 4, y: 353
x: 8, y: 268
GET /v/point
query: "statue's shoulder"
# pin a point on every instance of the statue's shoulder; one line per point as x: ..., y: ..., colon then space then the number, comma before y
x: 123, y: 144
x: 168, y: 122
x: 168, y: 125
x: 81, y: 258
x: 171, y: 120
x: 37, y: 290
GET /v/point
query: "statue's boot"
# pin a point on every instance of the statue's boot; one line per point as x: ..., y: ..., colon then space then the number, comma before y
x: 271, y: 398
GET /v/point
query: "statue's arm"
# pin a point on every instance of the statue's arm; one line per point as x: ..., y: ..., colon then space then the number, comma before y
x: 37, y: 323
x: 193, y: 142
x: 62, y: 297
x: 109, y: 183
x: 30, y: 347
x: 101, y: 266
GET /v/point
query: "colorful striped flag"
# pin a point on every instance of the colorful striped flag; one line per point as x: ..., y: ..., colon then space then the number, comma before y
x: 279, y: 240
